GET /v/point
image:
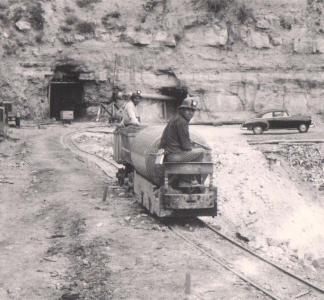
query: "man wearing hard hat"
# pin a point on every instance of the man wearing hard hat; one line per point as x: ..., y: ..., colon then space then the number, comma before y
x: 130, y: 116
x: 177, y: 144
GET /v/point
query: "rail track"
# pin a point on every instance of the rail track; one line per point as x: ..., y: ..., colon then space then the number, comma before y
x: 271, y: 279
x: 274, y: 281
x: 107, y: 166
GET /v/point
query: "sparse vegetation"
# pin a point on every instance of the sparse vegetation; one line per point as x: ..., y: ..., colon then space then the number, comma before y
x: 86, y: 27
x: 86, y: 3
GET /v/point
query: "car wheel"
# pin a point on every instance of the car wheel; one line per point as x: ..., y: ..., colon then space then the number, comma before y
x: 257, y: 130
x: 303, y: 128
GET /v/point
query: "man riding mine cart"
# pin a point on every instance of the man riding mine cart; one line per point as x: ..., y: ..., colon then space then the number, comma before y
x: 179, y: 148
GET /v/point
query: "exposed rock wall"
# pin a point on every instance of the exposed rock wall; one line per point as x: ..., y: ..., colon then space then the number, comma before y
x: 247, y: 56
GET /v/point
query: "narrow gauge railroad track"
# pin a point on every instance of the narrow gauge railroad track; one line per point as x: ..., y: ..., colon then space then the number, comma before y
x: 106, y: 165
x: 269, y: 278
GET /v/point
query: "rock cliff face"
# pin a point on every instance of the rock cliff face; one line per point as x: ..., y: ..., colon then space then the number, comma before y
x: 236, y: 56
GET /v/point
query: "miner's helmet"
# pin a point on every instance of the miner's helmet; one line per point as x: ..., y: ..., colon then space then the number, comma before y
x: 136, y: 95
x: 189, y: 103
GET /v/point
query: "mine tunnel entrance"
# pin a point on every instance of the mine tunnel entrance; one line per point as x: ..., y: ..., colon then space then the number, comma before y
x: 178, y: 93
x: 66, y: 93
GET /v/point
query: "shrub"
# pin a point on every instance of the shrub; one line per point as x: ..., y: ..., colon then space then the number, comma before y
x: 70, y: 20
x: 85, y: 3
x: 68, y: 9
x: 17, y: 14
x: 244, y: 13
x: 35, y: 11
x: 86, y: 27
x: 4, y: 18
x: 216, y: 6
x: 39, y: 38
x: 150, y: 5
x: 9, y: 48
x: 115, y: 14
x: 285, y: 23
x: 112, y: 21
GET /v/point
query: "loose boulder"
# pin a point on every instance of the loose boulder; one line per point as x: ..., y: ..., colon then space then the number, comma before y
x: 212, y: 36
x: 258, y: 40
x: 23, y: 25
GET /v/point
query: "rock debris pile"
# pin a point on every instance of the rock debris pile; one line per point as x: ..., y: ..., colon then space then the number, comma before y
x: 263, y: 204
x: 308, y: 162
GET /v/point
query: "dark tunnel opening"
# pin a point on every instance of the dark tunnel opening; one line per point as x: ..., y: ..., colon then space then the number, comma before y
x: 178, y: 93
x: 66, y: 92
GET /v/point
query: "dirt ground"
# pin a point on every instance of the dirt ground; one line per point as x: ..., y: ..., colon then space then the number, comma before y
x: 59, y: 240
x: 270, y: 195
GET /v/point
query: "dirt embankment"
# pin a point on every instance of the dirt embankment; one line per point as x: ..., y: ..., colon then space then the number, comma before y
x: 272, y: 203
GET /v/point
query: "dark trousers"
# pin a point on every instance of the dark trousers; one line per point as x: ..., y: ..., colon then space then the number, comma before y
x: 195, y: 155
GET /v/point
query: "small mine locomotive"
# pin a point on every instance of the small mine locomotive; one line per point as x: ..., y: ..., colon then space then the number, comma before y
x: 137, y: 149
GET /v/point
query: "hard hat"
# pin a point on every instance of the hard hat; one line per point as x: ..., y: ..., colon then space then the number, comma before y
x: 137, y: 94
x: 189, y: 103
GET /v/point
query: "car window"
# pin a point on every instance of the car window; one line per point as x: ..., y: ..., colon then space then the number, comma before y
x: 277, y: 114
x: 267, y: 115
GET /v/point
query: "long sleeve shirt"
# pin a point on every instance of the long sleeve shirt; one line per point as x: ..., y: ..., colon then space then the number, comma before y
x: 130, y: 114
x: 175, y: 137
